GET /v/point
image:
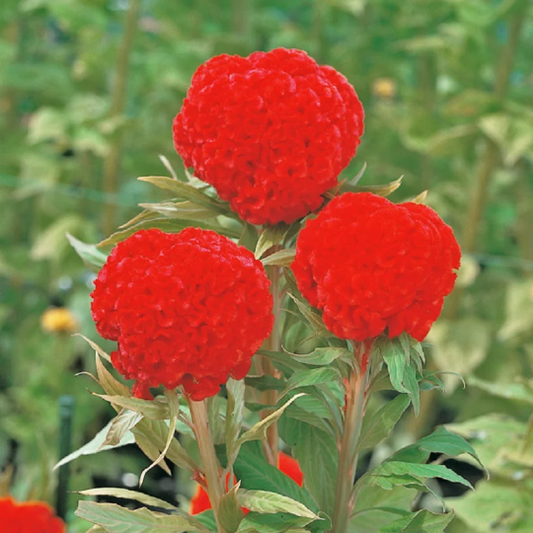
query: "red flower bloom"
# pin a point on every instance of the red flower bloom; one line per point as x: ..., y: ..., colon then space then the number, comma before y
x: 369, y: 264
x: 288, y: 465
x: 271, y: 132
x: 186, y: 309
x: 29, y: 517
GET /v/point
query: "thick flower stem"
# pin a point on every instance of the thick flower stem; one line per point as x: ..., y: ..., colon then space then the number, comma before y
x: 270, y: 397
x: 212, y: 471
x: 355, y: 402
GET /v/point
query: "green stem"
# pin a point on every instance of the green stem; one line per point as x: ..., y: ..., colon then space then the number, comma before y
x: 348, y: 454
x: 211, y: 467
x: 270, y: 397
x: 118, y: 103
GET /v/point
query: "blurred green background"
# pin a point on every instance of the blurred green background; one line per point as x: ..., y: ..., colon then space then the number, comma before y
x: 88, y: 91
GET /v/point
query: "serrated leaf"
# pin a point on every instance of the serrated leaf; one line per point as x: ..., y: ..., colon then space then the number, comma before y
x: 270, y: 236
x: 96, y: 446
x: 378, y: 427
x: 122, y: 423
x: 116, y: 519
x: 92, y: 257
x: 126, y: 494
x: 262, y: 501
x: 234, y: 417
x: 280, y: 258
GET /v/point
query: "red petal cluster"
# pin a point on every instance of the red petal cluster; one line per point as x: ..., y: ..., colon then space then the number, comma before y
x: 187, y: 309
x: 271, y: 131
x: 369, y: 264
x: 29, y: 517
x: 288, y: 465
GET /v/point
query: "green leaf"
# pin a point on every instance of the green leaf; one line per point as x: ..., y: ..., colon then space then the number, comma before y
x: 496, y: 502
x: 378, y: 427
x: 376, y: 507
x: 255, y: 473
x: 519, y: 391
x: 229, y: 512
x: 174, y: 408
x: 96, y: 445
x: 152, y: 409
x: 390, y: 473
x: 126, y: 494
x: 307, y: 378
x: 116, y: 519
x: 187, y: 192
x: 93, y: 258
x: 323, y: 356
x: 313, y: 317
x: 122, y: 423
x: 280, y: 258
x: 207, y: 518
x: 258, y: 431
x: 264, y: 383
x: 270, y: 236
x: 420, y: 522
x: 234, y: 416
x: 262, y: 501
x: 317, y: 455
x: 381, y: 190
x: 181, y: 210
x: 271, y: 523
x: 402, y: 371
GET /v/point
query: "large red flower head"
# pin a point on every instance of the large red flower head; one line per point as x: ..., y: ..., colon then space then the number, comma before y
x: 271, y: 131
x: 369, y: 264
x: 187, y: 309
x: 30, y: 517
x: 287, y: 464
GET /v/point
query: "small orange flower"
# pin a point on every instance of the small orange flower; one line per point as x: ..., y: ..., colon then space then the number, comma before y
x: 58, y: 320
x: 28, y: 517
x: 288, y: 465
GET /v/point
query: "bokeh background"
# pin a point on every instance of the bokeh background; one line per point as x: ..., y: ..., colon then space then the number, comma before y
x: 88, y: 91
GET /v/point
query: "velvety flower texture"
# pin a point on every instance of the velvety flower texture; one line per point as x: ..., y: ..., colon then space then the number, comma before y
x: 288, y: 465
x: 271, y: 131
x: 28, y: 517
x: 369, y: 264
x: 187, y: 309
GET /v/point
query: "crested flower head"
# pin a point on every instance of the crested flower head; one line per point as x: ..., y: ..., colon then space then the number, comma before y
x: 271, y: 131
x: 187, y: 309
x: 372, y: 265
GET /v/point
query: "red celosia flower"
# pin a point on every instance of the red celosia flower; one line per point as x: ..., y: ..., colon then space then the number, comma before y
x: 187, y: 309
x: 271, y: 132
x: 288, y: 465
x: 369, y: 264
x: 29, y: 517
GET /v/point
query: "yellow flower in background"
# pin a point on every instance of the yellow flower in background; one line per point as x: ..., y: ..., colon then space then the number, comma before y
x: 384, y: 88
x: 58, y: 320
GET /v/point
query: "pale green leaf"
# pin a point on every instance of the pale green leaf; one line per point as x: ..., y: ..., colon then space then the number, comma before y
x: 262, y: 501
